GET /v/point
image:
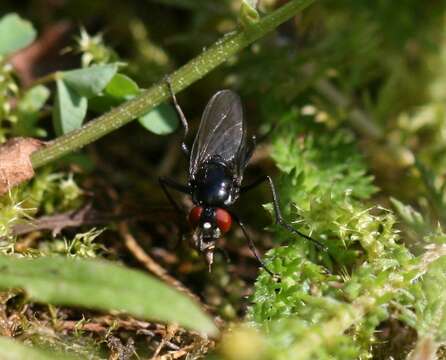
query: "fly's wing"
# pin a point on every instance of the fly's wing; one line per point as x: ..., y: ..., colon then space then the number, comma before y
x: 222, y: 133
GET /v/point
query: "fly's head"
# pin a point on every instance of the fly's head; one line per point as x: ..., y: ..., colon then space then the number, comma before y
x: 210, y: 224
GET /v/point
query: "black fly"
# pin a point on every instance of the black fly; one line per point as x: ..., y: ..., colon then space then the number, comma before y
x: 219, y: 155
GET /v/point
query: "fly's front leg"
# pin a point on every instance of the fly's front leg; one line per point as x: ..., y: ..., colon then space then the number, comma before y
x: 278, y: 214
x: 183, y: 119
x: 167, y: 183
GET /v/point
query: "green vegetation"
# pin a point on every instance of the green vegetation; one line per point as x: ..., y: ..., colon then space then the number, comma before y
x: 352, y: 97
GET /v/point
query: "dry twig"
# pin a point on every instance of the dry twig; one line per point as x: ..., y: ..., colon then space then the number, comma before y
x: 150, y: 264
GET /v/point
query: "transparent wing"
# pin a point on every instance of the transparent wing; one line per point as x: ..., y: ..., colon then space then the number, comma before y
x: 222, y: 133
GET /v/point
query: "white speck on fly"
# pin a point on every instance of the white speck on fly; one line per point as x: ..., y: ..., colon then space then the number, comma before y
x: 207, y: 225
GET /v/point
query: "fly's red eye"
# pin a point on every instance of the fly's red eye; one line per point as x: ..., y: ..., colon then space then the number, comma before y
x: 224, y: 220
x: 194, y: 215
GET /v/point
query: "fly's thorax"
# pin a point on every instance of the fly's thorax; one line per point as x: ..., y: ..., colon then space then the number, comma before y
x: 214, y: 185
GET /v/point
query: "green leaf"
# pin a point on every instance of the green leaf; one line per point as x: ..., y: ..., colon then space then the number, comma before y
x: 69, y: 109
x: 118, y: 90
x: 410, y: 216
x: 34, y: 99
x: 28, y: 110
x: 14, y: 350
x: 90, y: 81
x: 121, y: 86
x: 101, y: 285
x: 15, y: 33
x: 161, y: 121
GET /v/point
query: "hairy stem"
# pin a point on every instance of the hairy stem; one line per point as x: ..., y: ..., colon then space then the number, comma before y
x: 182, y: 78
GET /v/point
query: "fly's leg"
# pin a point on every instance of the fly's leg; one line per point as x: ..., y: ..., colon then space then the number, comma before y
x: 180, y: 114
x: 278, y: 214
x: 254, y: 141
x: 251, y: 245
x: 167, y: 183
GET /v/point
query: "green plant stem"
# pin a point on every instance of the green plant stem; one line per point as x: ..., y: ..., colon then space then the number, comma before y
x: 194, y: 70
x: 45, y: 79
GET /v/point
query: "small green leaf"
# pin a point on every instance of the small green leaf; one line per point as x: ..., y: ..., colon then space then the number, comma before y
x: 69, y: 109
x: 118, y: 90
x: 90, y: 81
x: 121, y: 86
x: 410, y: 216
x: 15, y: 33
x: 34, y: 99
x: 28, y: 110
x: 101, y: 285
x: 248, y: 13
x: 408, y: 213
x: 161, y: 121
x: 14, y: 350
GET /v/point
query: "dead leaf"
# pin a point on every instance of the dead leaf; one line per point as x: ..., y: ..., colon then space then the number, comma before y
x: 15, y: 162
x: 425, y: 349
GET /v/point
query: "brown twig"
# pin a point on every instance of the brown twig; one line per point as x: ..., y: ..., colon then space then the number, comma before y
x: 72, y: 325
x: 171, y: 330
x: 176, y: 354
x: 75, y: 218
x: 56, y: 223
x: 150, y: 264
x: 27, y: 242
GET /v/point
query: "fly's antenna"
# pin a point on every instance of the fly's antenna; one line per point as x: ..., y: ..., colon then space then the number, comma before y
x: 180, y: 114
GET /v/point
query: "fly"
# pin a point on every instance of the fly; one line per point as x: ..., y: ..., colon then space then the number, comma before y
x: 219, y: 156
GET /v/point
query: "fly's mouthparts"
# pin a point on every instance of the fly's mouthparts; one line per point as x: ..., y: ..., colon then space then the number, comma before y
x: 209, y: 258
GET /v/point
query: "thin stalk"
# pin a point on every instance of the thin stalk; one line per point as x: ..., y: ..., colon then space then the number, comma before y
x: 194, y: 70
x: 45, y: 79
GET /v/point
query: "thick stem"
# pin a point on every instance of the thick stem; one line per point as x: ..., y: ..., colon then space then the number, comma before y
x: 194, y: 70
